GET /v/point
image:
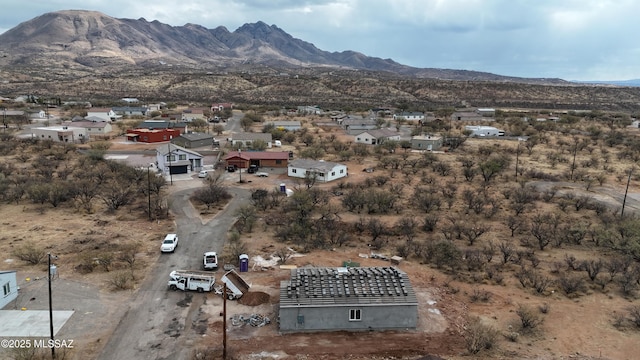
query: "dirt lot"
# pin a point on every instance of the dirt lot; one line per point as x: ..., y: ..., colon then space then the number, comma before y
x: 580, y: 327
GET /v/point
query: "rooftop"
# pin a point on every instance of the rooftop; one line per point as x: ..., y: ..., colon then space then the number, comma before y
x: 356, y: 285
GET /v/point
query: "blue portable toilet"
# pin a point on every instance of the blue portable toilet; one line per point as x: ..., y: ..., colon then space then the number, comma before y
x: 283, y: 188
x: 244, y: 262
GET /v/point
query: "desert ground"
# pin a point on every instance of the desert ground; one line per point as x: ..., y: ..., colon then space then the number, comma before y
x: 578, y: 326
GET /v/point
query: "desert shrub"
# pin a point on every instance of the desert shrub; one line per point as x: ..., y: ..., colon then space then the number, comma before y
x: 479, y: 336
x: 634, y: 314
x: 529, y: 319
x: 570, y: 284
x: 480, y: 295
x: 30, y: 253
x: 121, y: 280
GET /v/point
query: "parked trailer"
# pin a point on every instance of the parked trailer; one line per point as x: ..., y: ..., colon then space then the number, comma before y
x: 236, y: 285
x: 184, y: 280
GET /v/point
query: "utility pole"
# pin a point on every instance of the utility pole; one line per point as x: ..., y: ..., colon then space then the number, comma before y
x: 624, y: 200
x: 149, y: 189
x: 224, y: 320
x: 53, y: 348
x: 517, y: 158
x: 240, y: 167
x: 170, y: 174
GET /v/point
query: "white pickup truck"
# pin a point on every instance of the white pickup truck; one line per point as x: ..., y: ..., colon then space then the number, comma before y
x: 210, y: 260
x: 184, y: 280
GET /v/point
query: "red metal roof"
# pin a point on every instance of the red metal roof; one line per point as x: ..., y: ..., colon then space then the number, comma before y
x: 258, y: 155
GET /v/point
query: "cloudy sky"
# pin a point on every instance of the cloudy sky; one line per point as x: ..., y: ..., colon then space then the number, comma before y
x: 568, y: 39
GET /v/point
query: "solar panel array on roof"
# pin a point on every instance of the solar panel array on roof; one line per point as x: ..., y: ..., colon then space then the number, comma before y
x: 364, y: 285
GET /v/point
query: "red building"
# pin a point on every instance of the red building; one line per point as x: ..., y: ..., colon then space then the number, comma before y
x: 276, y: 159
x: 152, y: 135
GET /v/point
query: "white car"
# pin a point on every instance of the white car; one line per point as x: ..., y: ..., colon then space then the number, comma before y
x: 210, y: 260
x: 203, y: 174
x: 170, y: 243
x: 262, y: 174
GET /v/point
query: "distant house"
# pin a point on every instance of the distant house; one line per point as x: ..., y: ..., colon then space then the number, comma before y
x: 376, y: 136
x: 174, y: 159
x: 409, y: 116
x: 66, y: 134
x: 151, y: 135
x: 286, y: 125
x: 246, y: 139
x: 37, y: 114
x: 355, y: 125
x: 193, y: 140
x: 188, y: 115
x: 106, y: 114
x: 131, y: 110
x: 100, y: 128
x: 484, y: 131
x: 9, y: 287
x: 242, y: 159
x: 221, y: 106
x: 324, y: 171
x: 426, y: 142
x: 347, y: 299
x: 309, y: 110
x: 488, y: 112
x: 162, y: 124
x: 466, y: 116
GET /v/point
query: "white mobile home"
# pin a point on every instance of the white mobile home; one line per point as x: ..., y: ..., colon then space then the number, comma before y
x: 9, y: 287
x: 484, y: 131
x: 324, y: 171
x: 71, y: 134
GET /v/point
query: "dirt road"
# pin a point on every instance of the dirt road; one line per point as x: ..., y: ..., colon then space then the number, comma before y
x: 156, y: 323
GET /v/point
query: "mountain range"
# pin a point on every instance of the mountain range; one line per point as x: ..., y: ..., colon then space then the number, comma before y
x: 92, y: 41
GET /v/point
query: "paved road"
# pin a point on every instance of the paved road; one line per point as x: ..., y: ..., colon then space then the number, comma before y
x: 157, y: 321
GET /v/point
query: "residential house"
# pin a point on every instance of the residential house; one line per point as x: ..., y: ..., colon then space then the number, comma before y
x: 309, y: 110
x: 286, y: 125
x: 37, y: 114
x: 131, y: 110
x: 246, y: 139
x: 105, y: 114
x: 162, y: 124
x: 151, y: 135
x: 14, y: 116
x: 484, y: 131
x: 409, y: 116
x: 10, y: 287
x: 188, y: 115
x: 70, y: 134
x: 221, y: 106
x: 323, y: 171
x: 488, y: 112
x: 377, y: 136
x: 466, y: 116
x: 426, y: 142
x: 193, y: 140
x: 156, y: 107
x: 174, y: 159
x: 356, y: 125
x: 243, y: 159
x: 347, y: 299
x: 94, y: 128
